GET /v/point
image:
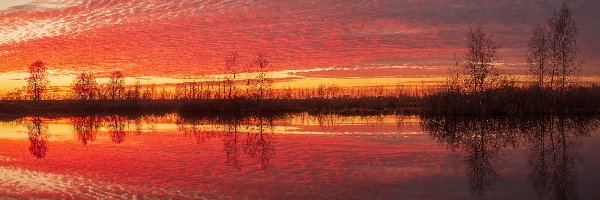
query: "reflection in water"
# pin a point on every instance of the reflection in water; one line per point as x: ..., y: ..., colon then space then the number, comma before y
x: 86, y: 128
x: 38, y: 137
x: 553, y: 156
x: 259, y: 143
x: 116, y: 128
x: 551, y: 141
x: 249, y: 135
x: 482, y: 139
x: 231, y: 148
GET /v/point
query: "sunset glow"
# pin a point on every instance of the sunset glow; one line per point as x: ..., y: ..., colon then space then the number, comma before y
x: 299, y: 99
x: 306, y: 41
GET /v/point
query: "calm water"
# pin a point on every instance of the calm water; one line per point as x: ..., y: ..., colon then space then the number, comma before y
x: 299, y: 157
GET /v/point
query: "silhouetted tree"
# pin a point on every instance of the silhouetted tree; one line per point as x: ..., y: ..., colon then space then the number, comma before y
x: 85, y: 87
x: 479, y: 59
x: 191, y: 89
x: 563, y: 44
x: 149, y: 91
x: 116, y: 85
x: 263, y: 83
x: 135, y: 92
x: 454, y: 81
x: 38, y: 80
x: 479, y: 63
x: 232, y: 65
x: 164, y: 94
x: 538, y: 53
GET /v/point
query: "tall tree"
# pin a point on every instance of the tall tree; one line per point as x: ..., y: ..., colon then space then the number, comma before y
x: 38, y: 80
x: 116, y: 85
x: 149, y: 92
x: 85, y: 87
x: 538, y: 53
x: 261, y: 64
x: 232, y: 65
x: 454, y: 81
x: 479, y: 59
x: 135, y: 92
x: 563, y: 45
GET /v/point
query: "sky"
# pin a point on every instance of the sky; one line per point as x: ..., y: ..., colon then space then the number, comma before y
x: 350, y: 42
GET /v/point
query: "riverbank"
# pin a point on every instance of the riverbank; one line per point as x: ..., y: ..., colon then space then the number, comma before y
x: 360, y: 106
x: 508, y: 100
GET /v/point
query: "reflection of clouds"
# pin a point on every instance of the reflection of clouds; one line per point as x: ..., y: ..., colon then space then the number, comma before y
x: 15, y: 5
x: 42, y: 185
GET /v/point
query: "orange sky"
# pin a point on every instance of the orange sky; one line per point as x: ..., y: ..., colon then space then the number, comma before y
x: 368, y: 41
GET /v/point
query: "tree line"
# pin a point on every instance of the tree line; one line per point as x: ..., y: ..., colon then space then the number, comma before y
x: 257, y: 84
x: 243, y: 78
x: 551, y: 56
x: 476, y: 84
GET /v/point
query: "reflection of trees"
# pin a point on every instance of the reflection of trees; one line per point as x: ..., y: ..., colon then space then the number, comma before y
x: 259, y: 144
x: 551, y: 140
x: 137, y: 122
x: 38, y: 137
x: 86, y: 128
x: 231, y: 144
x: 482, y: 140
x: 240, y: 134
x: 193, y: 128
x: 552, y: 153
x: 116, y: 128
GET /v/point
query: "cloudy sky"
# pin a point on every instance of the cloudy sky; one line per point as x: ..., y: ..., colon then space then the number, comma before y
x: 304, y: 39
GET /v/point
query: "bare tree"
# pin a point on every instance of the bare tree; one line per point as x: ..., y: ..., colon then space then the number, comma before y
x: 149, y: 91
x: 454, y: 81
x: 116, y: 85
x: 538, y: 53
x: 134, y: 92
x: 85, y: 86
x: 563, y: 45
x: 479, y: 59
x: 38, y: 80
x: 263, y: 83
x: 232, y: 65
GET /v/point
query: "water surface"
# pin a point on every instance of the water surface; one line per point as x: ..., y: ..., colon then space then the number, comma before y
x: 299, y: 157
